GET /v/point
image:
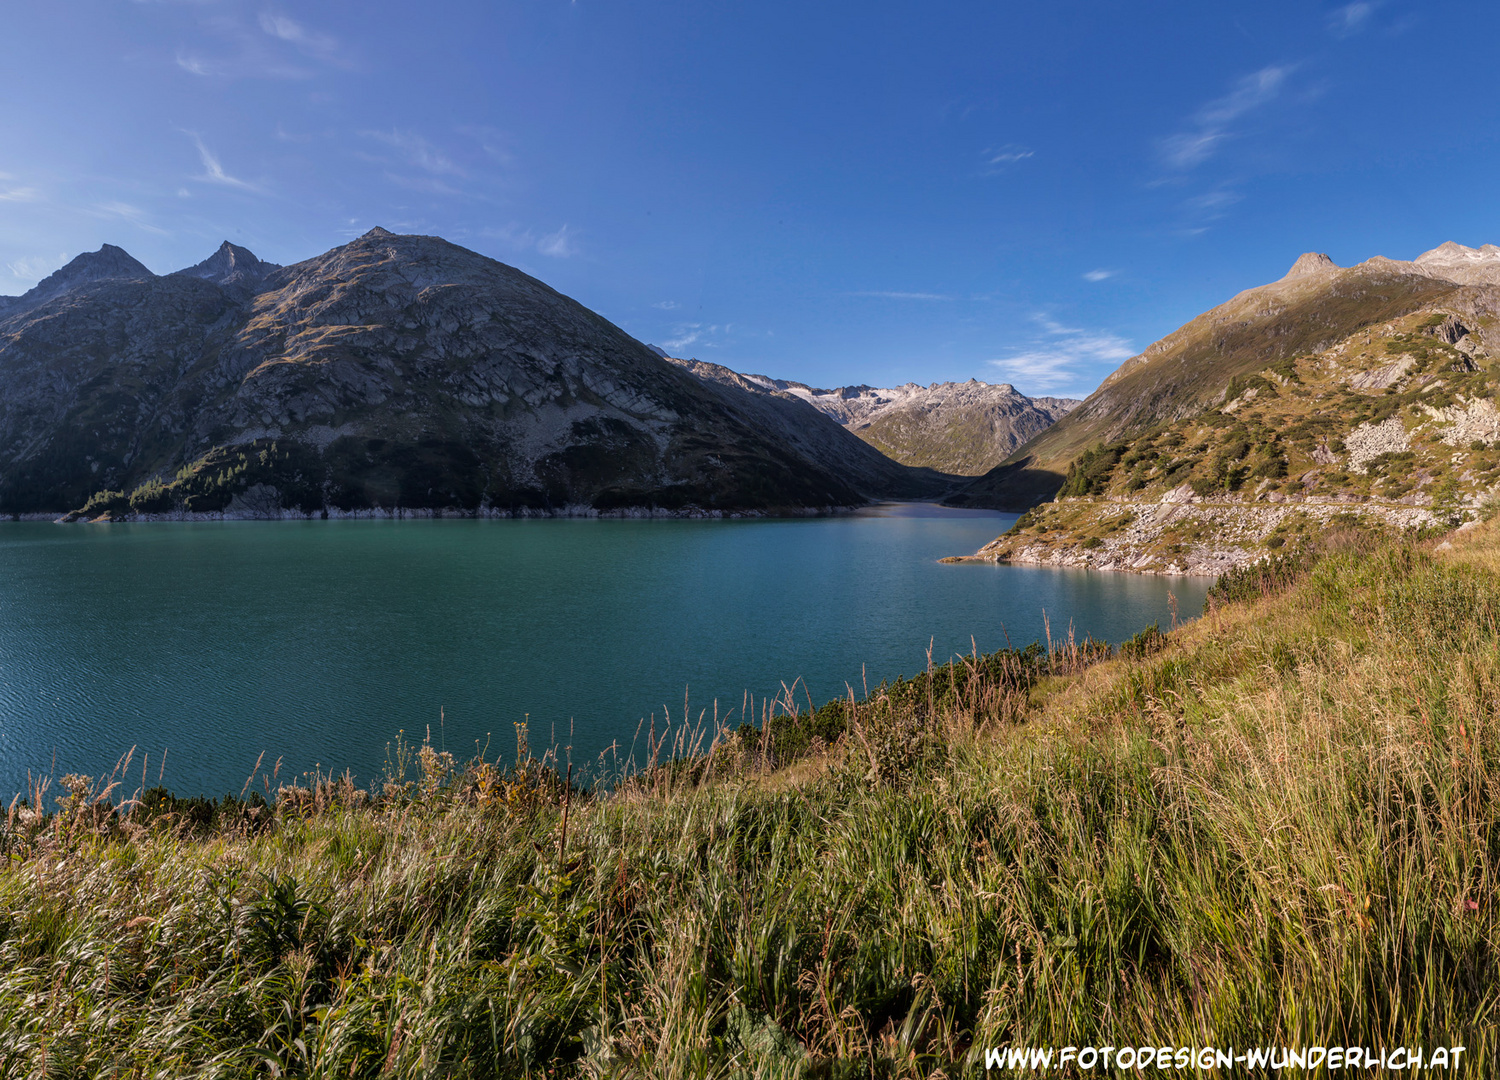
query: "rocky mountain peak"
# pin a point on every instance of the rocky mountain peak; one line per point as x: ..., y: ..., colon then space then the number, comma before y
x: 1450, y: 253
x: 1458, y: 263
x: 956, y: 428
x: 392, y: 373
x: 377, y: 233
x: 109, y: 263
x: 231, y: 265
x: 1309, y: 263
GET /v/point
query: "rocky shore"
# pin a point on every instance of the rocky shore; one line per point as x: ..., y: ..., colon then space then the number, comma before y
x: 1184, y: 533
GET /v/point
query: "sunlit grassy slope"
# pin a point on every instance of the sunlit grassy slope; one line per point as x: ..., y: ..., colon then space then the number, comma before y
x: 1274, y: 825
x: 1189, y: 370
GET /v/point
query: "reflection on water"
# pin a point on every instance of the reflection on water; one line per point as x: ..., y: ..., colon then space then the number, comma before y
x: 317, y: 641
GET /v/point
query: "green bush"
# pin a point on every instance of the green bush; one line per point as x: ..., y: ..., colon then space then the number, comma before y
x: 1090, y: 472
x: 1143, y: 644
x: 1264, y: 578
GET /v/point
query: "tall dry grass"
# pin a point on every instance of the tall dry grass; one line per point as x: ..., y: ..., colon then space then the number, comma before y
x: 1275, y: 825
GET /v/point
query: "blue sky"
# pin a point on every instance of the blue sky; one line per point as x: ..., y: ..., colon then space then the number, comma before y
x: 836, y: 193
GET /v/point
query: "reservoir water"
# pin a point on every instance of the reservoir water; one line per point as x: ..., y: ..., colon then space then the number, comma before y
x: 316, y: 642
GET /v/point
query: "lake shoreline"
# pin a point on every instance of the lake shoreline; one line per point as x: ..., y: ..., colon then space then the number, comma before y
x: 328, y: 639
x: 1061, y: 809
x: 1187, y: 534
x: 404, y: 513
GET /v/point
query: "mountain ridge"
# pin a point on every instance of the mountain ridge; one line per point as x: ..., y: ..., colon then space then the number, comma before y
x: 391, y: 373
x: 797, y: 422
x: 1183, y: 372
x: 1331, y: 398
x: 232, y: 265
x: 109, y: 263
x: 961, y: 429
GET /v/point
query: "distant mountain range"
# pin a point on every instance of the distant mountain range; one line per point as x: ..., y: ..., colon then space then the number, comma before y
x: 1334, y: 394
x: 403, y: 374
x: 961, y: 429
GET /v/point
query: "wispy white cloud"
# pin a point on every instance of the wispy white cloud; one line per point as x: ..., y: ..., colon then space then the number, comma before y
x: 124, y: 211
x: 31, y: 269
x: 1053, y: 359
x: 19, y: 194
x: 247, y: 51
x: 1211, y: 125
x: 1099, y: 275
x: 417, y: 151
x: 492, y: 142
x: 1213, y: 203
x: 1209, y: 206
x: 196, y: 65
x: 213, y: 170
x: 667, y: 305
x: 559, y: 244
x: 432, y: 185
x: 885, y: 295
x: 1351, y: 18
x: 706, y: 335
x: 319, y: 46
x: 999, y: 158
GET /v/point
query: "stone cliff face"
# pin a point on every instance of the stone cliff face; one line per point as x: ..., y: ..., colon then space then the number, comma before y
x: 395, y: 371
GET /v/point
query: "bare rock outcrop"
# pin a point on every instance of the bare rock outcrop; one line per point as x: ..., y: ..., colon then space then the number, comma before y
x: 1310, y: 264
x: 1369, y: 441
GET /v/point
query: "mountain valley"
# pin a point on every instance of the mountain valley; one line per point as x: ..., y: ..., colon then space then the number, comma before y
x: 963, y: 429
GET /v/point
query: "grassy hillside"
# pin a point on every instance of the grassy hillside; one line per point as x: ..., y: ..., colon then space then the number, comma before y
x: 1274, y: 825
x: 1189, y: 370
x: 1392, y: 427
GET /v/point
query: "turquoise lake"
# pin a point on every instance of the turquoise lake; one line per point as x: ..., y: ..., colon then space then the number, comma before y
x: 316, y: 642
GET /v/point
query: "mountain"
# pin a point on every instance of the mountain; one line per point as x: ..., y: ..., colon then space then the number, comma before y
x: 393, y: 373
x: 1314, y: 306
x: 1333, y: 398
x: 958, y: 429
x: 109, y: 263
x: 232, y: 265
x: 963, y: 428
x: 1465, y: 265
x: 816, y: 435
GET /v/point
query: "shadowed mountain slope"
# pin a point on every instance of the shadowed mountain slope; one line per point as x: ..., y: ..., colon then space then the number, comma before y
x: 232, y: 265
x: 392, y: 372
